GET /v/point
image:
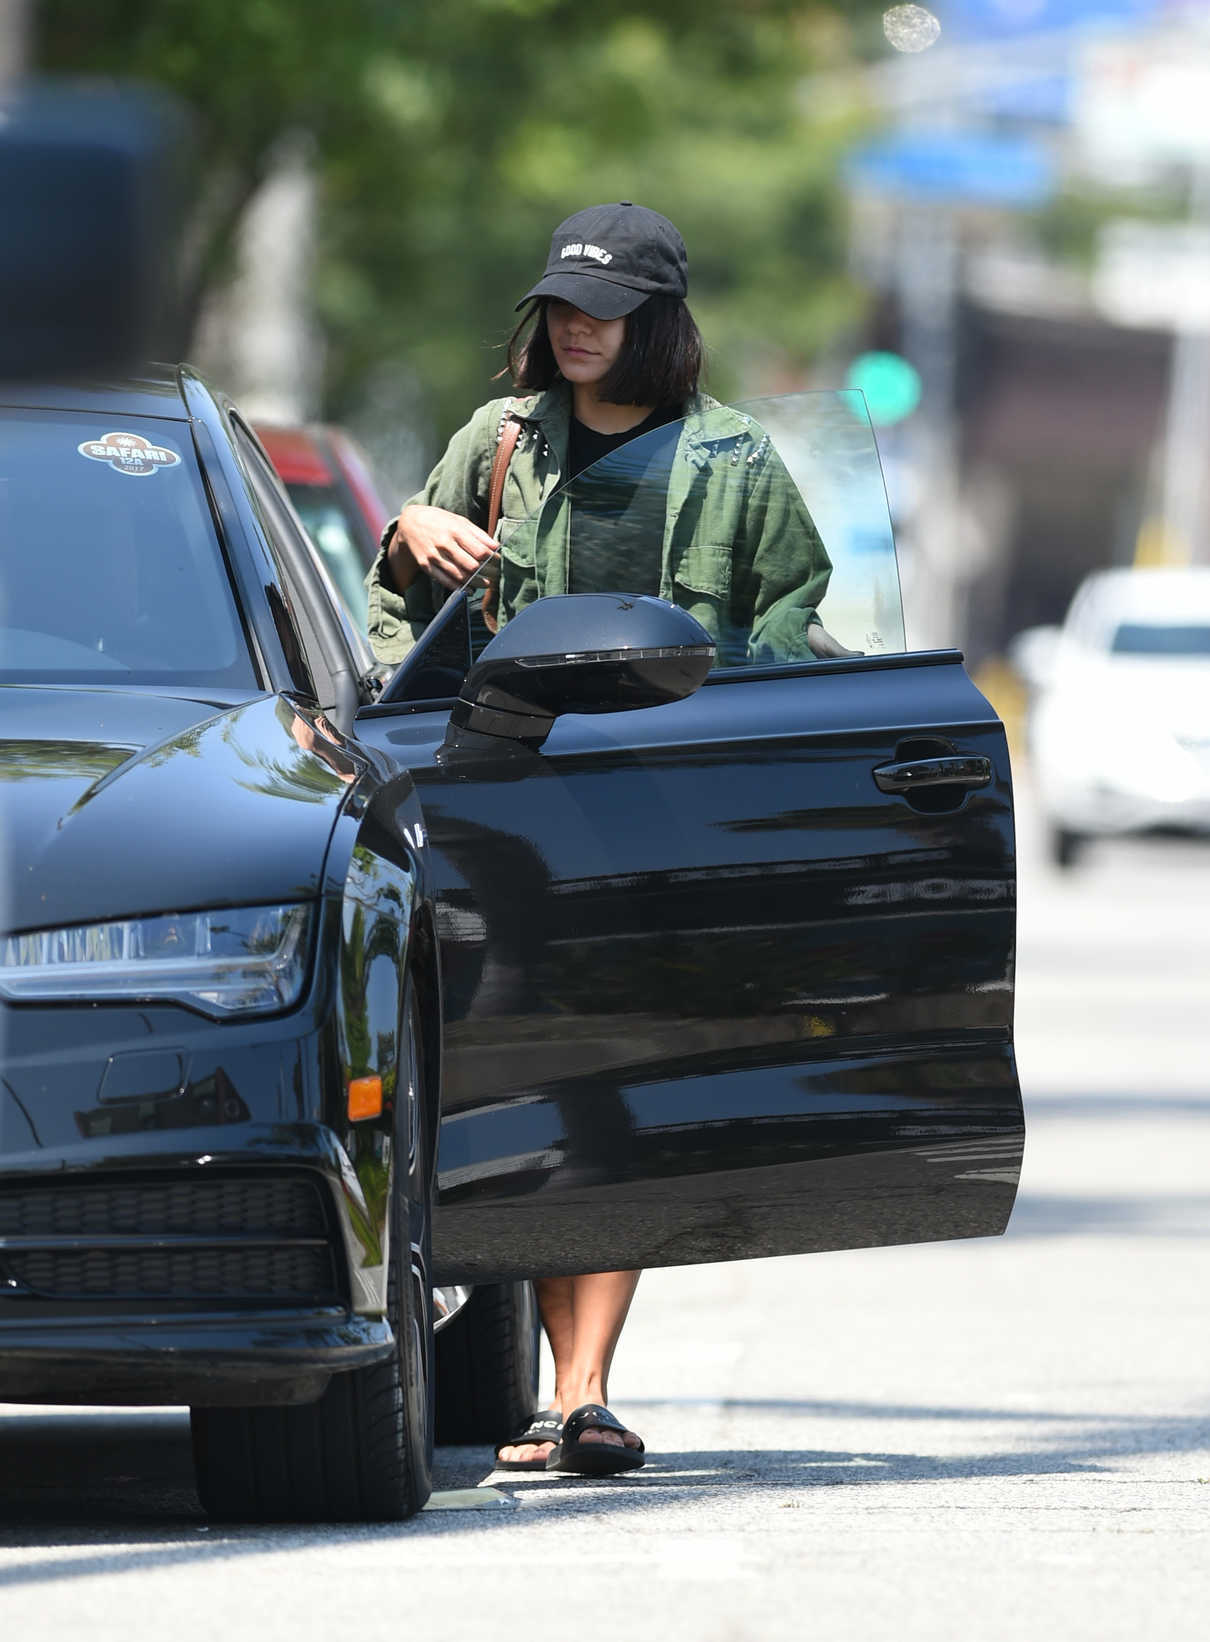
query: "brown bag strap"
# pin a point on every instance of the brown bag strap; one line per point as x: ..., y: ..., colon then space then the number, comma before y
x: 505, y: 445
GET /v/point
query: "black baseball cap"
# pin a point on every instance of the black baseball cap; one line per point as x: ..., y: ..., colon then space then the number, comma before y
x: 609, y: 259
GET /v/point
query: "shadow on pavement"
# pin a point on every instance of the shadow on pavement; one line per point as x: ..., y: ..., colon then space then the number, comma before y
x: 124, y: 1471
x: 119, y: 1486
x: 1095, y: 1105
x: 1155, y: 1215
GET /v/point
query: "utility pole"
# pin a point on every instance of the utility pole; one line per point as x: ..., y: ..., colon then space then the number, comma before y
x: 258, y: 333
x: 926, y: 279
x: 14, y: 40
x: 1186, y: 491
x: 941, y: 157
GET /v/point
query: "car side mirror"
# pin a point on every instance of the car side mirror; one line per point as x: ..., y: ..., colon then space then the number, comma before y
x: 581, y: 653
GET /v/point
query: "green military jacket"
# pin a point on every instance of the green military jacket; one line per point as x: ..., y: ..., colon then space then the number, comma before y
x: 740, y: 550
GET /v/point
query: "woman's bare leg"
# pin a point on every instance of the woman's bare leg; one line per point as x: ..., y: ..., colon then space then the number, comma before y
x: 600, y: 1302
x: 583, y: 1318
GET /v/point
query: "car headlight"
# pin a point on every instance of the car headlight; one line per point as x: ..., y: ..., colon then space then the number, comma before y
x: 241, y: 961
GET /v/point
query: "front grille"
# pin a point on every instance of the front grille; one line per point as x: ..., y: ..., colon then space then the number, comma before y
x: 266, y: 1274
x: 235, y: 1205
x: 239, y: 1238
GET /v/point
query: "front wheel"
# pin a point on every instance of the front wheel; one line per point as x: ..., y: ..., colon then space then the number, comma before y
x: 363, y: 1452
x: 1065, y: 846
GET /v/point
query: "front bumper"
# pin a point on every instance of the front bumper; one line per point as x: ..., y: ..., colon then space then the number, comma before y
x: 242, y: 1268
x: 1104, y: 810
x: 185, y: 1213
x: 238, y: 1358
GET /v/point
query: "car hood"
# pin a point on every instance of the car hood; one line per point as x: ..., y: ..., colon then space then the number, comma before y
x: 118, y: 803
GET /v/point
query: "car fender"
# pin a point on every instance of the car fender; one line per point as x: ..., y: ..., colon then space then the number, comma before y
x: 374, y: 879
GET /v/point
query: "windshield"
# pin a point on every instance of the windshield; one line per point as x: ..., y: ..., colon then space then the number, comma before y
x: 768, y: 521
x: 110, y: 568
x: 1137, y: 638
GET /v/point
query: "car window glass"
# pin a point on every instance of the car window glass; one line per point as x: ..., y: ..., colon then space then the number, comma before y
x: 319, y: 508
x: 1137, y: 638
x: 110, y: 565
x: 304, y: 575
x: 827, y: 443
x: 763, y: 520
x: 434, y: 668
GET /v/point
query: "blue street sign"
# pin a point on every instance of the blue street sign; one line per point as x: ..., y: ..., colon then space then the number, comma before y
x: 1003, y: 19
x: 974, y: 167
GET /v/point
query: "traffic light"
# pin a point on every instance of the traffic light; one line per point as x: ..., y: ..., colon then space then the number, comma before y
x: 890, y: 384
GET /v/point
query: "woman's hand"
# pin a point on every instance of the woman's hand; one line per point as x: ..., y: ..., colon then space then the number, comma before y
x: 443, y: 545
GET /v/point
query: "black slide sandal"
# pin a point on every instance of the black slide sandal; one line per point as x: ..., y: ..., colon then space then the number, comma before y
x: 593, y: 1459
x: 544, y: 1426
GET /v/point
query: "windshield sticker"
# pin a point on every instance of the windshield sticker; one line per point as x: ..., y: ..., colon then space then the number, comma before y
x: 129, y: 453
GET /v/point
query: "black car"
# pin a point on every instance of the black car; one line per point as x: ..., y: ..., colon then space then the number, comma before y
x: 322, y: 996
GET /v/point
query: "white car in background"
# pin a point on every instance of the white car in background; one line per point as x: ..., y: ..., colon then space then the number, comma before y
x: 1119, y: 716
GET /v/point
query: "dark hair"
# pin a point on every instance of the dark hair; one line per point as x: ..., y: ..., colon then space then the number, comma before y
x: 661, y: 358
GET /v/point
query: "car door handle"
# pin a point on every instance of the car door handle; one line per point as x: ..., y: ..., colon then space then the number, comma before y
x: 916, y: 773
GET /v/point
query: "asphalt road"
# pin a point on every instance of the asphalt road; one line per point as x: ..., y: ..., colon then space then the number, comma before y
x: 1000, y: 1439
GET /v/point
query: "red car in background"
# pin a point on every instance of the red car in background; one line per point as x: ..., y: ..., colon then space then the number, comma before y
x: 329, y: 480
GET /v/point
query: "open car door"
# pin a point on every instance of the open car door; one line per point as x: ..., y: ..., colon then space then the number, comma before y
x: 731, y: 975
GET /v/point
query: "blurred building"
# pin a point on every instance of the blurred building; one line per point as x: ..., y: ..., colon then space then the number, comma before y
x: 1060, y: 414
x: 1064, y: 422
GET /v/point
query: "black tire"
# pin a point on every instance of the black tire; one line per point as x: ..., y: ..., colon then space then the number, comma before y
x: 1066, y: 846
x: 487, y: 1365
x: 363, y: 1452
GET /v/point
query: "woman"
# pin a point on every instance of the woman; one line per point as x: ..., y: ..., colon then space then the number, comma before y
x: 607, y: 351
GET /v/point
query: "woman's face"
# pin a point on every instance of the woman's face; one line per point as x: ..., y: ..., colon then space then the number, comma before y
x: 585, y: 348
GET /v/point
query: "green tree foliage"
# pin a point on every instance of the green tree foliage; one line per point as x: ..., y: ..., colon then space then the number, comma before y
x: 452, y: 135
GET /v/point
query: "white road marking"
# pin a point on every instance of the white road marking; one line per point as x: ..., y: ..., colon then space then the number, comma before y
x: 470, y: 1499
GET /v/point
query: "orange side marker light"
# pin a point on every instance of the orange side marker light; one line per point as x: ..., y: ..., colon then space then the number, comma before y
x: 365, y: 1098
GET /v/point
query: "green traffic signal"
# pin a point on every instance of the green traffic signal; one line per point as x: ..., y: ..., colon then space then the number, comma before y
x: 890, y: 384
